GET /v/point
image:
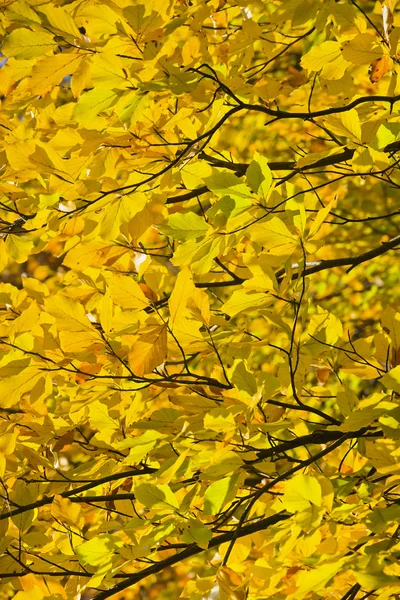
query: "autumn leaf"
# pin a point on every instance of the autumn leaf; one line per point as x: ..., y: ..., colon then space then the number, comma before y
x: 199, y: 316
x: 149, y: 351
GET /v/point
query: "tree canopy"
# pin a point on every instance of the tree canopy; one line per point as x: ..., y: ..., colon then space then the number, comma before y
x: 199, y: 336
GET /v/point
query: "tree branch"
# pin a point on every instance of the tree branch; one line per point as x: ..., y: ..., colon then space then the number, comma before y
x: 192, y: 550
x: 317, y: 437
x: 352, y: 261
x: 71, y: 493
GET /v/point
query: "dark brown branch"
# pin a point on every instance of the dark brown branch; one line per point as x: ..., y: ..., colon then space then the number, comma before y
x: 334, y: 110
x: 304, y: 407
x: 315, y: 266
x: 317, y: 437
x: 71, y: 493
x: 192, y: 550
x: 351, y: 261
x: 240, y: 168
x: 103, y: 498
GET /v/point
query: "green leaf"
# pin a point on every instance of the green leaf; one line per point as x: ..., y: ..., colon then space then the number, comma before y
x: 380, y: 518
x: 92, y: 103
x: 243, y: 379
x: 301, y: 492
x: 219, y: 494
x: 314, y: 580
x: 156, y: 495
x: 259, y: 175
x: 376, y: 581
x: 185, y: 226
x: 391, y: 380
x: 97, y: 551
x: 196, y: 532
x: 227, y: 184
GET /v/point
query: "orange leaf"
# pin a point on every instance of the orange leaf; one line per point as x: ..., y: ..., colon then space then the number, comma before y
x: 149, y: 351
x: 379, y: 67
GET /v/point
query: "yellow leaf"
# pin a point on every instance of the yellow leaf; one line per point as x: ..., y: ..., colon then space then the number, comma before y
x: 25, y: 322
x: 231, y: 585
x: 93, y: 254
x: 18, y: 248
x: 187, y: 331
x: 240, y: 552
x: 140, y: 446
x: 60, y: 19
x: 191, y: 50
x: 319, y: 219
x: 152, y: 495
x: 21, y: 12
x: 108, y: 72
x: 8, y: 441
x: 315, y: 579
x: 274, y: 236
x: 219, y: 493
x: 363, y: 49
x: 183, y: 289
x: 12, y: 388
x: 168, y: 474
x: 347, y: 124
x: 149, y: 351
x: 199, y: 306
x: 116, y: 213
x: 390, y: 321
x: 100, y: 419
x: 81, y: 77
x: 347, y: 401
x: 335, y: 69
x: 126, y: 293
x: 242, y: 300
x: 198, y: 533
x: 97, y: 551
x: 22, y: 496
x: 375, y: 581
x: 321, y: 55
x: 65, y: 511
x: 78, y: 341
x: 392, y: 379
x: 69, y: 315
x: 24, y: 44
x: 48, y: 72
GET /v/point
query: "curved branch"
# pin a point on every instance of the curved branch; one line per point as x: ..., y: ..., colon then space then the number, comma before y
x: 334, y: 110
x: 351, y: 261
x: 240, y: 168
x: 317, y: 437
x: 192, y: 550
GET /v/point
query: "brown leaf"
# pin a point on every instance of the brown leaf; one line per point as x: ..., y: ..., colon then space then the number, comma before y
x: 64, y: 442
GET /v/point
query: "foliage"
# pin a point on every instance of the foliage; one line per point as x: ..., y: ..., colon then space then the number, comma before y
x: 199, y: 336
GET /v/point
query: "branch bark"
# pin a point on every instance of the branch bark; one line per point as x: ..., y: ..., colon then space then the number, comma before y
x: 192, y: 550
x: 71, y: 493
